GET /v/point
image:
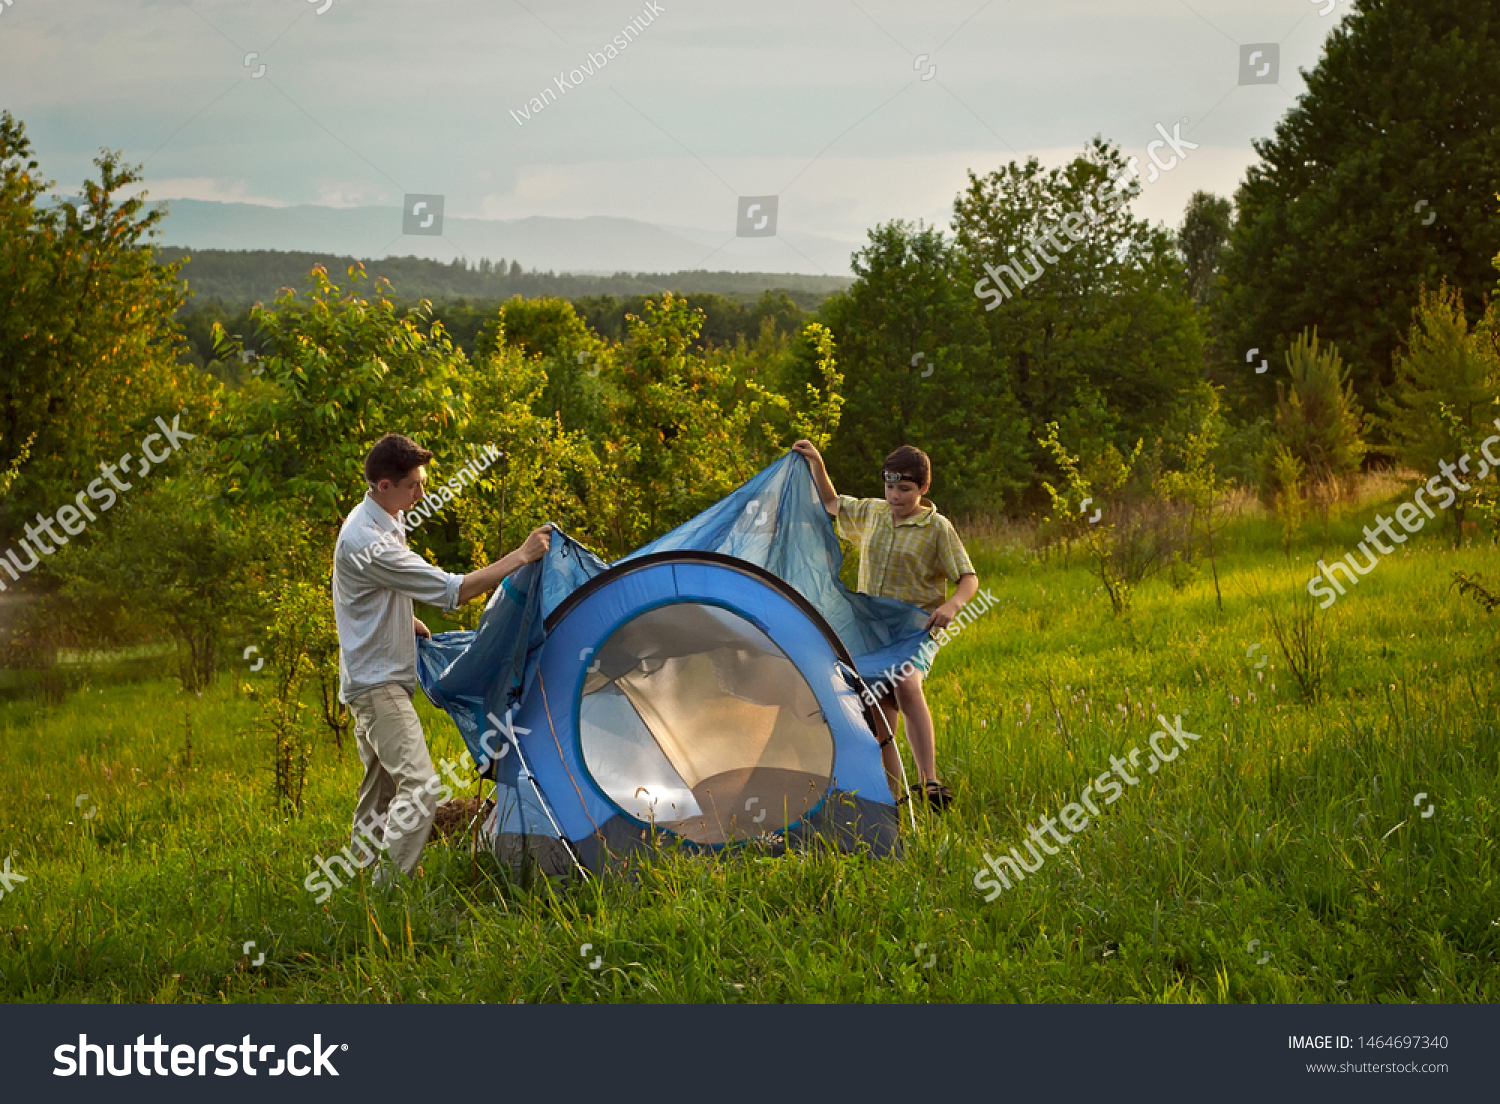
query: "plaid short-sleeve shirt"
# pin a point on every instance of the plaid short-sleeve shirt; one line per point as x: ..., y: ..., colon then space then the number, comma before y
x: 910, y: 561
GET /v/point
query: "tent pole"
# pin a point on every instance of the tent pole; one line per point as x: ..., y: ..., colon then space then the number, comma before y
x: 547, y: 808
x: 909, y: 801
x: 881, y: 714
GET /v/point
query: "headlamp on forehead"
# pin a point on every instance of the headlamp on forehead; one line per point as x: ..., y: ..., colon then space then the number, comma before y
x: 892, y: 478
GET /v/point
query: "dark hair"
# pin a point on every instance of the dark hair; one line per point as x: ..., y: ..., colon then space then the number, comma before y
x: 393, y: 457
x: 911, y: 462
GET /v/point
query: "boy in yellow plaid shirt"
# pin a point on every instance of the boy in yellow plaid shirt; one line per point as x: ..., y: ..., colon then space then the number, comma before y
x: 908, y: 551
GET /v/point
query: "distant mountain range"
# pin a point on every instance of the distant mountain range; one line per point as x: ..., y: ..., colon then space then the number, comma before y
x: 598, y: 245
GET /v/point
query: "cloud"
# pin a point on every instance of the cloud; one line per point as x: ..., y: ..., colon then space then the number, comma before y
x: 204, y: 187
x: 347, y: 193
x: 819, y: 104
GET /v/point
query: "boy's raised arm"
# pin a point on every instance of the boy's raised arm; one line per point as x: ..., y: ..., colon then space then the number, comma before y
x: 821, y: 481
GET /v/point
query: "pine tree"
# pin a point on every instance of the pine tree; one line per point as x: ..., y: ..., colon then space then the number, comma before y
x: 1318, y: 418
x: 1447, y: 389
x: 1379, y: 181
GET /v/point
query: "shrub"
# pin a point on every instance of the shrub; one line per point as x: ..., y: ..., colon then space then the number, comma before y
x: 1136, y: 533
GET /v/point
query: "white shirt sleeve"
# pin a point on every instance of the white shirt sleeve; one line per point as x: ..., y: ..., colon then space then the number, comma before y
x: 396, y: 567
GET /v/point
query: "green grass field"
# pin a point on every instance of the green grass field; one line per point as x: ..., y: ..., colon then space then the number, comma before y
x: 1281, y: 857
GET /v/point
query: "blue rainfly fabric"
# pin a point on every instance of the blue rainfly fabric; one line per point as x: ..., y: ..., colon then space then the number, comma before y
x: 774, y: 521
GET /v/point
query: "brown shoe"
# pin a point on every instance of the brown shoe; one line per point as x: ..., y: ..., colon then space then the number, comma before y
x: 937, y: 794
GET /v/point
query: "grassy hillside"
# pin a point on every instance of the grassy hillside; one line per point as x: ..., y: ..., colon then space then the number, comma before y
x: 1285, y: 855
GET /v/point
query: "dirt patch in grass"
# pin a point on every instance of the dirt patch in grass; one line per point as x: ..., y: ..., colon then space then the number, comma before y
x: 454, y: 817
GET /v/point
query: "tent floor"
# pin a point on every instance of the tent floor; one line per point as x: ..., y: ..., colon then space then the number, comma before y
x: 848, y: 821
x: 747, y: 802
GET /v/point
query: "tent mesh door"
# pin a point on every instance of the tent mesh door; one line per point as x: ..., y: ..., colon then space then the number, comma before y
x: 692, y: 719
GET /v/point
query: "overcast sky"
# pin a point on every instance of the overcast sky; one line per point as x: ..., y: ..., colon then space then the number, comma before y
x: 826, y: 104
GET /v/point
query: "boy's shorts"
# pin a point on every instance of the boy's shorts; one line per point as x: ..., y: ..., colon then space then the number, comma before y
x: 922, y: 661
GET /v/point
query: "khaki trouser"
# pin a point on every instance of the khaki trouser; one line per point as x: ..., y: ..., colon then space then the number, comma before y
x: 397, y: 767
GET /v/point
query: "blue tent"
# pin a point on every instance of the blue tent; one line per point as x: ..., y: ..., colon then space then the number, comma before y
x: 712, y: 688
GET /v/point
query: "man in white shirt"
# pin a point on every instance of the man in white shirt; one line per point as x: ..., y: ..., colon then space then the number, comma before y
x: 375, y: 579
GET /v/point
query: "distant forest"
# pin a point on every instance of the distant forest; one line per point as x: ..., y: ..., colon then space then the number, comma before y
x: 225, y: 284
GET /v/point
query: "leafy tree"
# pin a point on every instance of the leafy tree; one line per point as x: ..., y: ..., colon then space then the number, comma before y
x: 300, y: 642
x: 782, y: 414
x: 1285, y: 477
x: 339, y: 371
x: 777, y: 307
x: 912, y: 339
x: 1195, y: 481
x: 548, y: 473
x: 282, y: 719
x: 551, y: 330
x: 676, y: 435
x: 88, y: 346
x: 1205, y: 231
x: 171, y: 561
x: 679, y: 429
x: 1103, y: 338
x: 544, y: 327
x: 726, y: 318
x: 1376, y: 183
